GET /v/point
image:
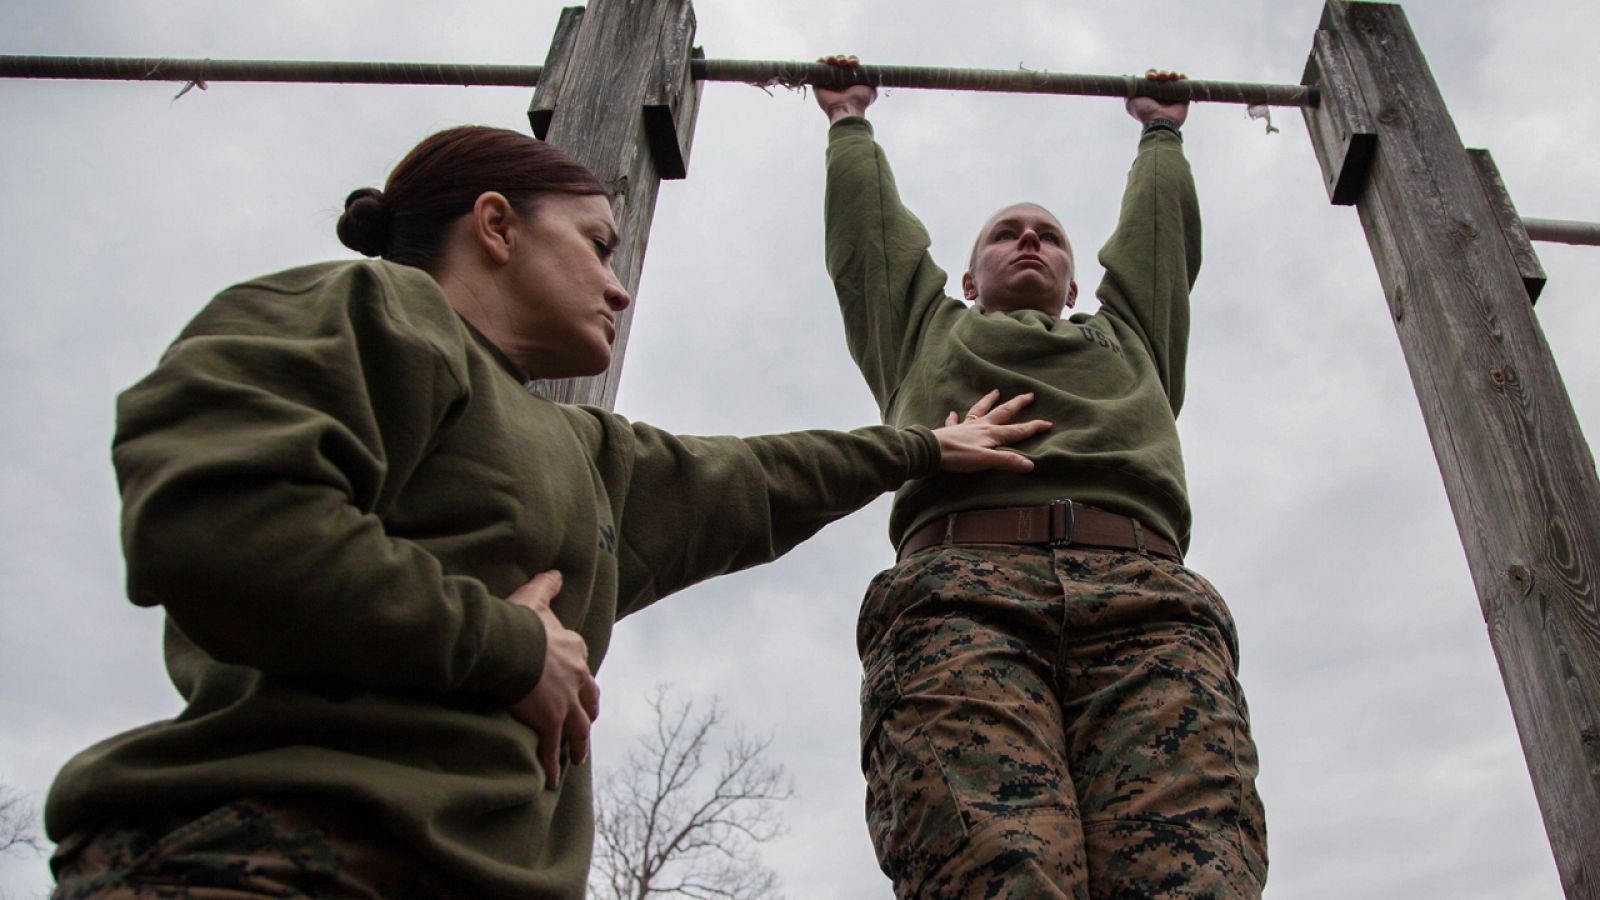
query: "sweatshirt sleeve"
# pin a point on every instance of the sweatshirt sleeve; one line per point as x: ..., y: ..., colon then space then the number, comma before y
x: 255, y: 464
x: 703, y: 506
x: 877, y: 255
x: 1153, y: 257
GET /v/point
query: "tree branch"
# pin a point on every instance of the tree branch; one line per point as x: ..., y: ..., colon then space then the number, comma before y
x: 665, y: 825
x: 17, y: 821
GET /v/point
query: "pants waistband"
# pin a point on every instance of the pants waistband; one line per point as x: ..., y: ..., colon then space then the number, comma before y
x: 1060, y: 523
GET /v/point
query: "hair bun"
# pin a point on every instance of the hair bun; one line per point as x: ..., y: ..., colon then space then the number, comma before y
x: 364, y: 227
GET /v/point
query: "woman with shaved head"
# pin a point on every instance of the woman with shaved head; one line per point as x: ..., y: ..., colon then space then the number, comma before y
x: 1049, y: 704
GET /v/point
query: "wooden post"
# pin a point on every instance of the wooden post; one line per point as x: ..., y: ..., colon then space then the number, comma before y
x: 1520, y: 478
x: 616, y: 93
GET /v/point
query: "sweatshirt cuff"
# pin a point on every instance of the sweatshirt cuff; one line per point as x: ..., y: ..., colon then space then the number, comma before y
x: 850, y: 126
x: 515, y: 644
x: 926, y: 462
x: 1159, y: 137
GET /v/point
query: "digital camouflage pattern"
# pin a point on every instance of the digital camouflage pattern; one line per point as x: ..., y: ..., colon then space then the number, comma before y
x: 248, y: 848
x: 1042, y: 723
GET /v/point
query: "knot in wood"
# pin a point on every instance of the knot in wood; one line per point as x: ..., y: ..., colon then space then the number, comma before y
x: 1521, y: 579
x: 1467, y: 230
x: 1387, y: 117
x: 1590, y: 739
x: 1498, y: 376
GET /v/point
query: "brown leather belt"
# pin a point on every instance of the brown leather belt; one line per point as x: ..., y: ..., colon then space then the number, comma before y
x: 1061, y: 523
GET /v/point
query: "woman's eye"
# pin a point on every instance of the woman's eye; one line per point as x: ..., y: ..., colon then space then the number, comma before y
x: 1049, y: 238
x: 1005, y: 234
x: 602, y: 248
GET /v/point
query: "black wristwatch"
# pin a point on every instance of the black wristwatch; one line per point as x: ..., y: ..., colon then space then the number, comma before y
x: 1161, y: 123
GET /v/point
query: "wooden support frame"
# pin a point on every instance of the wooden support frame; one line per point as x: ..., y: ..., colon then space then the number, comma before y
x: 1520, y: 479
x: 1342, y: 133
x: 1511, y: 228
x: 616, y: 92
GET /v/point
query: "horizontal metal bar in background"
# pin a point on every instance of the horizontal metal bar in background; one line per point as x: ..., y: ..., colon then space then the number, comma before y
x: 103, y: 68
x: 759, y: 72
x: 1563, y: 231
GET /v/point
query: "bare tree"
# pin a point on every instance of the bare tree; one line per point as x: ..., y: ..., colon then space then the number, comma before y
x: 666, y: 825
x: 17, y: 822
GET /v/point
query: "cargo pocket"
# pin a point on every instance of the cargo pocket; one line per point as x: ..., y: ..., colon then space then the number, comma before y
x: 911, y: 813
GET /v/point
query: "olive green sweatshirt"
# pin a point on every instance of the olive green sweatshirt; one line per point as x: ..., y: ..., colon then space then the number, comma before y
x: 330, y: 483
x: 1111, y: 382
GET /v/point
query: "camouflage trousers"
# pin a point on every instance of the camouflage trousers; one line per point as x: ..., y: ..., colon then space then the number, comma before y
x: 1042, y: 723
x: 248, y: 848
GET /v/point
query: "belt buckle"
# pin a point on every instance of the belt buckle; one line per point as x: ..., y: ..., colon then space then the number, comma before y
x: 1069, y: 521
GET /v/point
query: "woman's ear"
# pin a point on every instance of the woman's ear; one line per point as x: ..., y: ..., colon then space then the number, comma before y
x: 969, y: 287
x: 493, y: 225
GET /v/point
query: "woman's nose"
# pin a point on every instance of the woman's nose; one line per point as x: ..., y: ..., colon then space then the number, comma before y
x: 616, y: 297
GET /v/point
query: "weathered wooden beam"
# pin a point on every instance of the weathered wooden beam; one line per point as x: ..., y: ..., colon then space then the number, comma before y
x: 608, y: 65
x: 1342, y: 133
x: 669, y: 116
x: 1520, y: 478
x: 1494, y: 190
x: 553, y: 76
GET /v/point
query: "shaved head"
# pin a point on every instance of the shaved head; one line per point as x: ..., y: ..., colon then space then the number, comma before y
x: 1021, y: 260
x: 972, y: 258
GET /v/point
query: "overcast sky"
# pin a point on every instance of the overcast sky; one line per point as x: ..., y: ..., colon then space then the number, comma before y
x: 1390, y: 764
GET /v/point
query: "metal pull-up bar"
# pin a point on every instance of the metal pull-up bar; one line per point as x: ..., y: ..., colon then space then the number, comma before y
x: 754, y: 71
x: 1015, y: 81
x: 202, y: 71
x: 757, y: 72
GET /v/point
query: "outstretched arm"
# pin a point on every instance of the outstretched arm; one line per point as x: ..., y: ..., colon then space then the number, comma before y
x: 1152, y: 258
x: 887, y: 285
x: 697, y: 507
